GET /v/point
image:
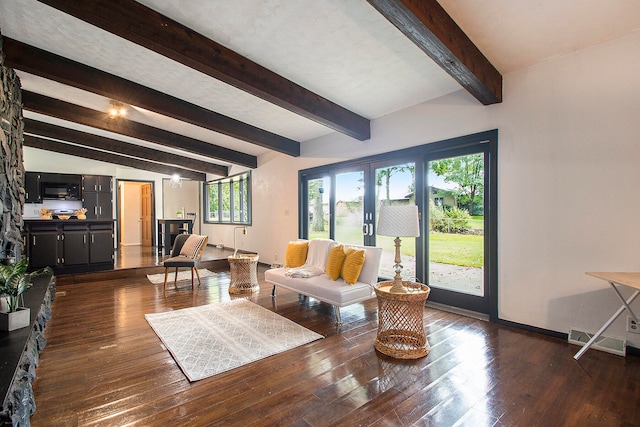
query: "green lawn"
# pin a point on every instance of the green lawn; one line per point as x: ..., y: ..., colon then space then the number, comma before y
x: 476, y: 223
x: 458, y: 249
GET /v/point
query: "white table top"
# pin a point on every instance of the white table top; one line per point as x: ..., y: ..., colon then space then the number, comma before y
x: 631, y: 279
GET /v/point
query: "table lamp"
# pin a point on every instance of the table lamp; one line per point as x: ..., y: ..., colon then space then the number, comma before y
x: 398, y: 221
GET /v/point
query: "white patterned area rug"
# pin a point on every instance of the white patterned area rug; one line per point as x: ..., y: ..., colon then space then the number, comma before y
x: 182, y: 275
x: 210, y: 339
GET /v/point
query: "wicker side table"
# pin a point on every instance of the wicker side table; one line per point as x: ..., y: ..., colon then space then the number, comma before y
x: 400, y: 325
x: 244, y: 273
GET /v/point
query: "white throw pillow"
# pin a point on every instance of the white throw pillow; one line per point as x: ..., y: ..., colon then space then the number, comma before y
x: 192, y: 246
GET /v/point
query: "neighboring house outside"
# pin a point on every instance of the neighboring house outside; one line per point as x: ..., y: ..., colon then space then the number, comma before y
x: 441, y: 198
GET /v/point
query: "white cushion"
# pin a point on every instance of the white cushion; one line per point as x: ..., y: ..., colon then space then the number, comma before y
x: 321, y: 287
x: 192, y: 246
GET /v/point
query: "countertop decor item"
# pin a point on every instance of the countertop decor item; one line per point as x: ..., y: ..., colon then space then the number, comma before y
x: 45, y: 213
x: 63, y: 216
x: 81, y: 213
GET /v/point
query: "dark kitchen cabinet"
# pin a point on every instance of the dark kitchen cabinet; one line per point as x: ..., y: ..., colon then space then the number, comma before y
x: 101, y: 243
x: 97, y: 196
x: 70, y: 246
x: 43, y: 248
x: 75, y: 247
x: 97, y: 183
x: 32, y: 187
x: 98, y: 205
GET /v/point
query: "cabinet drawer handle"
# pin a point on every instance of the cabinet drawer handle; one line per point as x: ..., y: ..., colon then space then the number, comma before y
x: 34, y: 240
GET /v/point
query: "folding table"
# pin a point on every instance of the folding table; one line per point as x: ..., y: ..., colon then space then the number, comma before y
x: 631, y: 280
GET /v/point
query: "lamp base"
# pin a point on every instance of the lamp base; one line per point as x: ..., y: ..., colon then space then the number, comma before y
x: 397, y: 279
x: 397, y: 287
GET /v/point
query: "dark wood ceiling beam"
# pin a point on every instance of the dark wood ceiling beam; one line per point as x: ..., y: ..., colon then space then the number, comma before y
x: 100, y: 120
x: 87, y: 153
x: 48, y: 130
x: 45, y: 64
x: 146, y: 27
x: 431, y: 28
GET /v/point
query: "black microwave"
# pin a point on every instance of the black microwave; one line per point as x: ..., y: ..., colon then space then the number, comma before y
x: 60, y: 191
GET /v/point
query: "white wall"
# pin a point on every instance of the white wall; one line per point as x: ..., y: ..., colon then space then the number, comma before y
x: 186, y: 196
x: 569, y: 170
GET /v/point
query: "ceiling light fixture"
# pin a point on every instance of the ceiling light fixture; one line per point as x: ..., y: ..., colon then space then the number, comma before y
x: 175, y: 181
x: 116, y: 109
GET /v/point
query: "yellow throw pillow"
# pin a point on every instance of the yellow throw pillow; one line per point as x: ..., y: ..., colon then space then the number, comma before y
x: 335, y: 259
x: 296, y: 254
x: 353, y: 262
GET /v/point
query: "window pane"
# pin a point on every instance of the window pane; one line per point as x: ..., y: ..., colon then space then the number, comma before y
x: 237, y: 201
x: 318, y: 205
x: 456, y: 223
x: 214, y: 214
x: 225, y: 196
x: 349, y: 207
x: 395, y: 185
x: 245, y: 201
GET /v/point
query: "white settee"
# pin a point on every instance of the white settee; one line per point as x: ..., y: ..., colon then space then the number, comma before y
x: 321, y: 287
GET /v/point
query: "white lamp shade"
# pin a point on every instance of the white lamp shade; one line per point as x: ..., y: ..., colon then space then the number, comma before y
x: 398, y: 221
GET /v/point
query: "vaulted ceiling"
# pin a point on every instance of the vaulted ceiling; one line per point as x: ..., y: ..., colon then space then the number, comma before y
x: 209, y: 84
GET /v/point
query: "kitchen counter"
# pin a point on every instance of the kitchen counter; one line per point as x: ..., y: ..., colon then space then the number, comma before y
x: 56, y: 220
x: 70, y: 246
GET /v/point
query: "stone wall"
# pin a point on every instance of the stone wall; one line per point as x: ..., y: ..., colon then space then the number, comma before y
x: 11, y: 165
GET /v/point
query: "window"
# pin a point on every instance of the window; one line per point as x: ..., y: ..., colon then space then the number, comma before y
x: 228, y: 200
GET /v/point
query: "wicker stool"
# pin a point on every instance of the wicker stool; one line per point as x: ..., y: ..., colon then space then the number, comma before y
x: 400, y: 325
x: 244, y: 273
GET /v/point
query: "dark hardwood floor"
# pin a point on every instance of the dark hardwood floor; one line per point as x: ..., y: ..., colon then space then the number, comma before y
x: 104, y: 366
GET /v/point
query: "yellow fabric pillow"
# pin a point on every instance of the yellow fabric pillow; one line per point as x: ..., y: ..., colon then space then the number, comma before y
x: 335, y: 259
x: 352, y: 266
x: 296, y: 254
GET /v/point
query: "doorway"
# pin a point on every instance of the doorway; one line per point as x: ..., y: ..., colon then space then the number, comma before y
x: 135, y: 215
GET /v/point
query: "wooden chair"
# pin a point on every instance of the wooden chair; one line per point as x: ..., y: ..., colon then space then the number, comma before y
x: 186, y: 252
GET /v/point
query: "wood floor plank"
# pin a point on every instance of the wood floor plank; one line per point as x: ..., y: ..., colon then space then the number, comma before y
x: 104, y: 366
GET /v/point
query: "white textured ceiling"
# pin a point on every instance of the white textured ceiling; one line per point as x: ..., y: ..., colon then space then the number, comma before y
x: 343, y: 50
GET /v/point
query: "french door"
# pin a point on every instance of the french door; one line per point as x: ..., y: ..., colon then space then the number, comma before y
x: 454, y: 185
x: 456, y: 246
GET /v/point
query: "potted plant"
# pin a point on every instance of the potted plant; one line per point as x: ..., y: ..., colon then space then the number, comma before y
x: 14, y: 282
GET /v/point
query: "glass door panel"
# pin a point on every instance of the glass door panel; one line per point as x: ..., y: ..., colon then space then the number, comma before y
x: 319, y: 192
x: 395, y: 185
x: 349, y: 208
x: 456, y: 245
